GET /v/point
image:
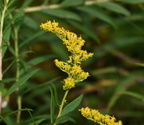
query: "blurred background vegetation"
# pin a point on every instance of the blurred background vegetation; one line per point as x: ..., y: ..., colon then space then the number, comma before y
x: 114, y: 32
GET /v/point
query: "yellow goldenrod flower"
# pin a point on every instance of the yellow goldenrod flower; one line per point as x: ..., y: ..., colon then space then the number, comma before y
x: 96, y: 116
x: 68, y: 83
x: 73, y: 44
x: 64, y: 66
x: 78, y: 74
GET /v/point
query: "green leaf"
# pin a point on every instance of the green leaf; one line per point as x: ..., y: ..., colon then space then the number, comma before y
x: 52, y: 106
x: 114, y: 7
x: 1, y: 87
x: 55, y: 94
x: 21, y: 81
x: 133, y: 1
x: 37, y: 122
x: 120, y: 88
x: 9, y: 121
x: 11, y: 2
x: 26, y: 4
x: 30, y: 22
x: 29, y: 39
x: 86, y: 30
x: 65, y: 14
x: 69, y: 3
x: 99, y: 13
x: 59, y: 49
x: 71, y: 106
x: 8, y: 67
x: 40, y: 59
x: 13, y: 112
x: 3, y: 119
x: 135, y: 95
x: 117, y: 44
x: 64, y: 119
x: 6, y: 38
x: 41, y: 85
x: 1, y: 6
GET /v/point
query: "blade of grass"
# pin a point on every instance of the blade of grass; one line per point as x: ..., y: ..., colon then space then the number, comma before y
x: 52, y: 106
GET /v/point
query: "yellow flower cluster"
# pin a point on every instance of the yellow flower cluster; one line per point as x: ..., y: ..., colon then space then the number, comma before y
x: 74, y: 44
x: 69, y: 83
x: 97, y: 117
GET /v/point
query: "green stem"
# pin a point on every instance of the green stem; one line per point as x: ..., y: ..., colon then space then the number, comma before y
x: 62, y: 104
x: 19, y: 102
x: 19, y: 98
x: 1, y: 37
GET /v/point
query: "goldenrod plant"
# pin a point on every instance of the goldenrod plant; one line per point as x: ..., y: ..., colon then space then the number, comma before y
x: 73, y: 66
x: 75, y: 73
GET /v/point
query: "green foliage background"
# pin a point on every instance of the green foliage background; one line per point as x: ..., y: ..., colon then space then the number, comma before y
x: 114, y: 31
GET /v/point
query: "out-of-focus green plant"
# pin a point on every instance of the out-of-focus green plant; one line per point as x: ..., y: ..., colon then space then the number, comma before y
x: 114, y: 31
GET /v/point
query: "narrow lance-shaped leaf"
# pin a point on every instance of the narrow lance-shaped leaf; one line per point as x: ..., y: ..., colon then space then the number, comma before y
x: 98, y: 13
x: 40, y: 59
x: 120, y: 88
x: 65, y: 14
x: 68, y: 3
x: 71, y: 106
x: 20, y: 82
x: 133, y: 1
x: 64, y: 119
x: 52, y: 106
x: 85, y: 30
x: 55, y: 94
x: 6, y: 38
x: 41, y: 85
x: 114, y: 7
x: 29, y: 39
x: 135, y: 95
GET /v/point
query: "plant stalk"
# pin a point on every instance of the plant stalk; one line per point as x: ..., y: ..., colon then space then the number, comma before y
x: 62, y: 104
x: 19, y: 98
x: 55, y: 6
x: 1, y: 37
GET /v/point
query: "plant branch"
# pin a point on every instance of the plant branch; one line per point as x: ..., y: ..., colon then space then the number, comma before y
x: 55, y: 6
x: 62, y: 104
x: 1, y: 37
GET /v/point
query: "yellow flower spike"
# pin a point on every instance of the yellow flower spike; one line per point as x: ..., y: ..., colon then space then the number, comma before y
x: 96, y: 116
x: 74, y: 44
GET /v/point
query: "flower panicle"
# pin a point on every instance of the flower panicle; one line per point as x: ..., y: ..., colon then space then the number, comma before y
x: 74, y: 45
x: 96, y: 116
